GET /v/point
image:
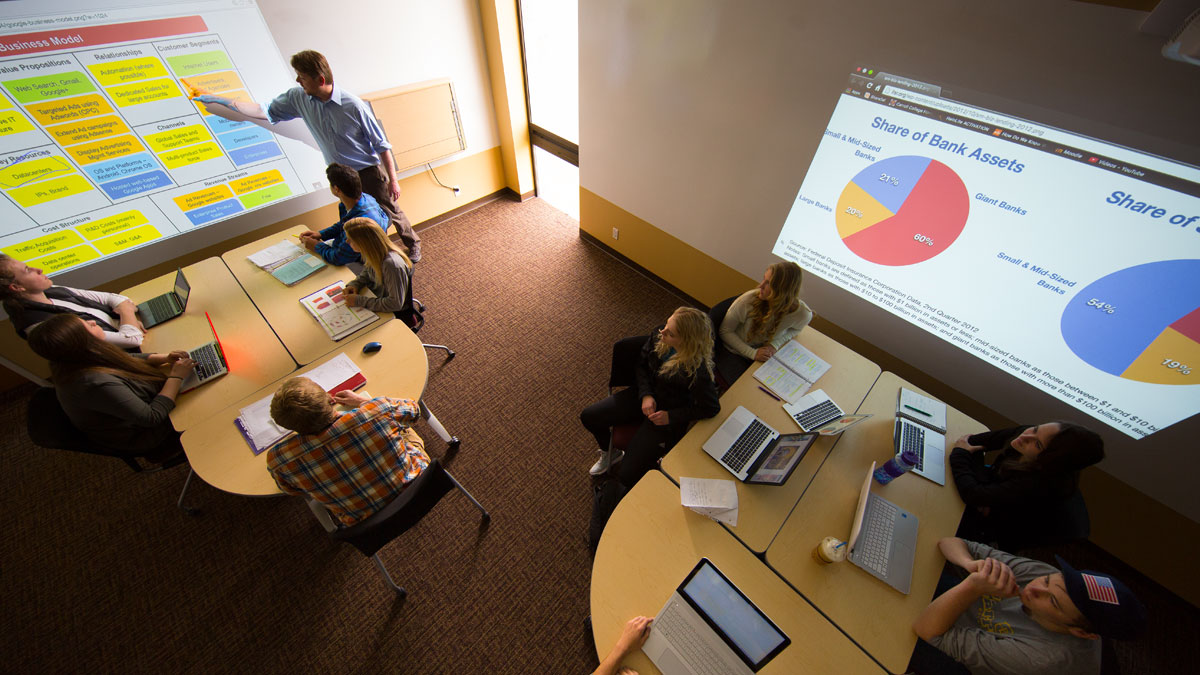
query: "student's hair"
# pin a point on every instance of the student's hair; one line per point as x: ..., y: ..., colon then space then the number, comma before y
x: 65, y: 342
x: 373, y: 243
x: 695, y: 344
x: 8, y: 277
x: 312, y: 64
x: 345, y: 179
x: 765, y: 315
x: 1072, y: 449
x: 302, y: 406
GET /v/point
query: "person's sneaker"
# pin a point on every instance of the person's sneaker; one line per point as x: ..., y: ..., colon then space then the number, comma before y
x: 607, y: 459
x: 414, y: 252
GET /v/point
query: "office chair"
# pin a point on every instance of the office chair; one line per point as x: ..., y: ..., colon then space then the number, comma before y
x: 412, y: 313
x: 49, y: 427
x: 716, y: 315
x: 417, y: 499
x: 626, y: 353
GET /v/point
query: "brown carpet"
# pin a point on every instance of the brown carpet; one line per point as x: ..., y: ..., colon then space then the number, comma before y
x: 102, y: 573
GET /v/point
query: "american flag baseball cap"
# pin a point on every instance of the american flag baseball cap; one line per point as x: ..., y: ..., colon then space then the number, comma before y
x: 1108, y: 604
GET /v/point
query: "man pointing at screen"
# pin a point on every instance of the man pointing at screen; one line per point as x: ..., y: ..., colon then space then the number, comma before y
x: 345, y: 131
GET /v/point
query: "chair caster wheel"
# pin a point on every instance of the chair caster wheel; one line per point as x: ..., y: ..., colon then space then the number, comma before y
x: 454, y: 442
x: 450, y: 357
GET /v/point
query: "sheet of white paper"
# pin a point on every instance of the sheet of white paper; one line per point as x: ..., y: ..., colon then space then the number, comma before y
x: 715, y: 498
x: 259, y: 426
x: 329, y: 375
x: 270, y: 256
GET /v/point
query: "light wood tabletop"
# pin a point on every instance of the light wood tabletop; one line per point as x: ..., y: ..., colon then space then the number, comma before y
x: 220, y: 454
x: 255, y: 355
x: 763, y: 508
x: 280, y: 304
x: 873, y: 614
x: 649, y: 546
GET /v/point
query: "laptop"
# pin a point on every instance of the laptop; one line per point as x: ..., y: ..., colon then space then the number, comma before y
x: 818, y: 413
x: 210, y: 361
x: 754, y: 452
x: 166, y: 306
x: 883, y: 540
x: 709, y: 626
x: 921, y: 427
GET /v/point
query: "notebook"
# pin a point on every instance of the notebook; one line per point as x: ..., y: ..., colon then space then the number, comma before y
x: 921, y: 427
x: 883, y: 539
x: 792, y: 371
x: 168, y: 305
x: 709, y: 626
x: 210, y: 361
x: 818, y: 413
x: 754, y: 452
x: 287, y: 262
x: 328, y: 306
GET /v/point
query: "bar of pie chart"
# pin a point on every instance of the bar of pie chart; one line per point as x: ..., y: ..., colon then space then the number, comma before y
x: 902, y: 210
x: 1141, y: 323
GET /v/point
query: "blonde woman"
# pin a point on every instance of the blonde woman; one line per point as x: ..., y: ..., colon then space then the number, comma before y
x: 674, y: 388
x: 386, y: 270
x: 762, y: 320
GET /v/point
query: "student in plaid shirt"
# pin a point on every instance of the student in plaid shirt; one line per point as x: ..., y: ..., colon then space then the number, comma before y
x: 353, y: 463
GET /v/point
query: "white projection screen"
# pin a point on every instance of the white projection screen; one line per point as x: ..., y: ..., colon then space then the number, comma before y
x: 102, y: 153
x: 1068, y: 262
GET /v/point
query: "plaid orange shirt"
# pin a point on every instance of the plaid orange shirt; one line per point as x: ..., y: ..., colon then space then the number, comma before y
x: 357, y: 465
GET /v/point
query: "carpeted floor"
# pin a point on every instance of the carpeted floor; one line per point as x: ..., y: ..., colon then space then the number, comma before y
x: 102, y: 573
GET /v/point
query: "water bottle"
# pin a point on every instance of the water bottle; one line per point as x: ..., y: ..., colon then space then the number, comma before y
x: 896, y: 466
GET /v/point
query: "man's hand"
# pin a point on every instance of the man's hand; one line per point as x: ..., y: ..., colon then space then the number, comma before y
x: 763, y: 353
x: 659, y: 417
x: 993, y: 577
x: 634, y: 635
x: 209, y: 98
x: 352, y: 300
x: 394, y: 189
x: 349, y: 398
x: 648, y: 406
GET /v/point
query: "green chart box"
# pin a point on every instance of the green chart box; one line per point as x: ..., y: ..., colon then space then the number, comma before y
x: 46, y: 87
x: 203, y: 62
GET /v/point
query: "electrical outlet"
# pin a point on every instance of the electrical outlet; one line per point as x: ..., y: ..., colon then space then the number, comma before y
x: 456, y: 189
x: 615, y: 233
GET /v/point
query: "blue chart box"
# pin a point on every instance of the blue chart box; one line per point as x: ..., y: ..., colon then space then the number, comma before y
x: 241, y: 138
x: 122, y: 167
x: 220, y: 125
x: 136, y: 185
x: 213, y: 212
x: 255, y: 153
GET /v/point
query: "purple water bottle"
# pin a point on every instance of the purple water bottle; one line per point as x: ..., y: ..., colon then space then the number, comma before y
x: 896, y: 466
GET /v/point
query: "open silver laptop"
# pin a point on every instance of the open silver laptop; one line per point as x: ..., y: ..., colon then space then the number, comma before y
x: 168, y: 305
x: 921, y: 427
x: 709, y: 626
x: 883, y: 540
x: 210, y: 361
x: 739, y: 442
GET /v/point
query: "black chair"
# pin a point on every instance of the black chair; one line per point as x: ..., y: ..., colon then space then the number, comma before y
x: 417, y: 499
x: 49, y: 427
x: 626, y: 353
x: 716, y: 315
x: 412, y: 313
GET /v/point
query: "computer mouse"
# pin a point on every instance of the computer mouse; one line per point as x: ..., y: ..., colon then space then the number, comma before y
x: 372, y: 347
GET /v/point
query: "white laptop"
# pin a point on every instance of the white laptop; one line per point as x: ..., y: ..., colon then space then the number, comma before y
x: 754, y: 452
x: 816, y: 412
x: 709, y: 626
x: 883, y: 540
x: 210, y: 361
x: 921, y: 427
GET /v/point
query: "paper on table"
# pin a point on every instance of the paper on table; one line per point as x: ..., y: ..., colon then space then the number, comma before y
x: 779, y: 379
x: 715, y: 498
x: 274, y: 255
x: 333, y: 372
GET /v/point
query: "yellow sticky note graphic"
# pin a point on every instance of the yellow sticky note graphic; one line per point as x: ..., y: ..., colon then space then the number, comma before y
x: 29, y: 171
x: 204, y: 197
x: 129, y: 70
x: 179, y: 137
x: 68, y: 258
x: 256, y: 182
x: 125, y: 240
x: 50, y: 243
x: 144, y: 92
x: 112, y: 224
x: 49, y: 190
x: 13, y: 122
x: 190, y: 155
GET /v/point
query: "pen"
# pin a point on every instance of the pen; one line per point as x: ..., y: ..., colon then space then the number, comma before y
x: 839, y: 546
x: 918, y: 410
x: 768, y: 393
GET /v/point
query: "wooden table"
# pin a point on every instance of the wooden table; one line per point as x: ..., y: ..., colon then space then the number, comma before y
x: 299, y: 332
x: 763, y: 508
x: 873, y: 614
x: 649, y: 546
x: 255, y: 355
x: 219, y: 453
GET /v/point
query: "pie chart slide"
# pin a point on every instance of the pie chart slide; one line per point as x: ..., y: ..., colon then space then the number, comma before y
x: 1141, y: 323
x: 902, y: 210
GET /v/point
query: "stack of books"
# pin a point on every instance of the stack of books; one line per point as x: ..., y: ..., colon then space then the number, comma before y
x: 287, y: 262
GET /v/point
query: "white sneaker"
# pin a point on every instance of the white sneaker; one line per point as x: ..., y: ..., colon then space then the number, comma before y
x: 607, y: 459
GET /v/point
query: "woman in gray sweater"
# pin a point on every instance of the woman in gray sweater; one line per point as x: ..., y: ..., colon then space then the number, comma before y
x: 387, y: 272
x: 120, y: 401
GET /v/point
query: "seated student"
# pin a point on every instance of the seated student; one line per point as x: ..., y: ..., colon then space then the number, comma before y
x: 674, y: 388
x: 1013, y: 500
x: 762, y: 320
x: 1024, y: 617
x: 386, y: 270
x: 30, y: 298
x: 350, y: 463
x: 346, y: 186
x: 633, y: 636
x: 121, y: 402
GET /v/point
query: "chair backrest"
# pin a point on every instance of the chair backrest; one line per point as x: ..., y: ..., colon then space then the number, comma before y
x: 625, y: 355
x: 49, y: 426
x: 408, y: 312
x: 417, y: 499
x: 717, y: 315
